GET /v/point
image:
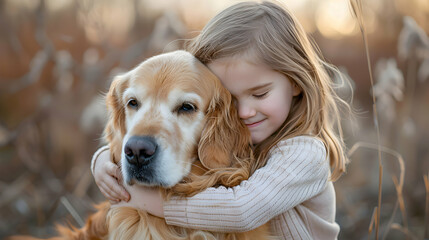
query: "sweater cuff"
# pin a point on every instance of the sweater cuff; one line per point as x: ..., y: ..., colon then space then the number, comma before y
x: 96, y: 155
x: 175, y: 212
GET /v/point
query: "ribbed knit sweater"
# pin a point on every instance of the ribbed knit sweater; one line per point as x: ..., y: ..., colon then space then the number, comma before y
x: 291, y: 192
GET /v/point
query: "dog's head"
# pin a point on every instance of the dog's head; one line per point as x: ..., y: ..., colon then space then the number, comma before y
x: 168, y: 112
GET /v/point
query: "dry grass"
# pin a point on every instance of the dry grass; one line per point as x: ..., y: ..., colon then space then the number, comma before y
x: 357, y: 11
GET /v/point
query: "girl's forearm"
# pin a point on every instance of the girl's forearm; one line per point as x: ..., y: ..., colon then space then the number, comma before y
x: 144, y: 198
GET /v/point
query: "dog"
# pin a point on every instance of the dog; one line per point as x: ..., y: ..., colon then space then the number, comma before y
x: 172, y: 125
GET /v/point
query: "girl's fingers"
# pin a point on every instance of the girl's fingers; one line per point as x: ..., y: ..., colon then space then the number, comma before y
x: 111, y: 183
x: 106, y: 195
x: 105, y: 192
x: 119, y: 175
x: 115, y: 171
x: 125, y: 196
x: 116, y: 190
x: 112, y: 169
x: 109, y: 193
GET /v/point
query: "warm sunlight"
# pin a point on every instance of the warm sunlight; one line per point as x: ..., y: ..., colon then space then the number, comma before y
x: 333, y: 19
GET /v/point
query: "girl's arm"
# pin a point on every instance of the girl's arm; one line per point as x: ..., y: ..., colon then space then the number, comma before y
x: 296, y: 171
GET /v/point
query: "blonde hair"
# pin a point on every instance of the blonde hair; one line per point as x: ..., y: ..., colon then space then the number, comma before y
x: 273, y: 35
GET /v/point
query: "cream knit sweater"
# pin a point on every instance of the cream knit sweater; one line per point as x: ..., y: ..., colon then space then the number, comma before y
x: 291, y: 192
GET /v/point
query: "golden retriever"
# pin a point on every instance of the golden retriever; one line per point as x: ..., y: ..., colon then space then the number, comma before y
x: 172, y: 125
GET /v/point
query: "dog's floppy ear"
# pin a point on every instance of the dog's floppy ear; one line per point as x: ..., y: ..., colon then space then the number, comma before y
x: 115, y: 127
x: 224, y: 138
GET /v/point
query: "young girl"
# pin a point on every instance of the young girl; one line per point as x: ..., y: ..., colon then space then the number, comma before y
x: 284, y: 95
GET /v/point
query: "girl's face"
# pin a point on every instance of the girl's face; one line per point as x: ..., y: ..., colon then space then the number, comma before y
x: 263, y: 96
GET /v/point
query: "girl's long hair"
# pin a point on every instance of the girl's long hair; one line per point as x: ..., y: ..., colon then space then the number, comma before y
x: 272, y: 35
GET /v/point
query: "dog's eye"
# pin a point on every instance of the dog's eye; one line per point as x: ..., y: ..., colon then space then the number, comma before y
x: 186, y: 108
x: 132, y: 103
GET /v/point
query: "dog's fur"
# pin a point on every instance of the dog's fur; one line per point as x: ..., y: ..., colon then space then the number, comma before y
x: 196, y: 141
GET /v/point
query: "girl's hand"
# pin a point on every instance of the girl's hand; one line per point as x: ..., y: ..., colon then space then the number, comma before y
x: 108, y: 177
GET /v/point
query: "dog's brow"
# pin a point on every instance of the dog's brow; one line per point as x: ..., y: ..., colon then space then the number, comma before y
x: 177, y: 95
x: 133, y: 92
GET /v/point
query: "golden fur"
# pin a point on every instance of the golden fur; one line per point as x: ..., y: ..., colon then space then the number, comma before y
x: 215, y: 144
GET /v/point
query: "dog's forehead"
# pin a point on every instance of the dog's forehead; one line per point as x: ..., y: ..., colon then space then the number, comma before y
x: 162, y: 75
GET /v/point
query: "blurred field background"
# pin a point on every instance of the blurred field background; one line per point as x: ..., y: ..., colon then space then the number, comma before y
x: 57, y: 57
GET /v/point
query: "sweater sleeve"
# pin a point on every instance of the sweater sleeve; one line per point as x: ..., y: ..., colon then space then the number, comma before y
x: 96, y: 155
x: 297, y: 170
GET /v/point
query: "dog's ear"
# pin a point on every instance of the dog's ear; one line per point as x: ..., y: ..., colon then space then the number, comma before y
x: 115, y: 127
x: 225, y: 138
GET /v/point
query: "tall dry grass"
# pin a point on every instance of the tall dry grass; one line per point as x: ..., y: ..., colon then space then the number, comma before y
x: 393, y: 86
x: 357, y: 12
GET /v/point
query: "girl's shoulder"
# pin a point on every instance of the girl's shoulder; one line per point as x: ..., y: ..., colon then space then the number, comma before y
x: 300, y: 144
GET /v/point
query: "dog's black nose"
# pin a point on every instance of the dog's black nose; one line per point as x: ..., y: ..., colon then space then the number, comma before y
x: 140, y: 150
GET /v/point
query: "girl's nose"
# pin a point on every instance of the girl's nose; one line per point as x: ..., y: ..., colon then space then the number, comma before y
x: 245, y: 111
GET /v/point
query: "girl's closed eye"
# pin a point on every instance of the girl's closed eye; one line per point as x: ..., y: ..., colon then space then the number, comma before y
x: 262, y: 95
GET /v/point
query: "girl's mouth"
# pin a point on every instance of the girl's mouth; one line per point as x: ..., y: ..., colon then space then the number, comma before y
x: 255, y: 124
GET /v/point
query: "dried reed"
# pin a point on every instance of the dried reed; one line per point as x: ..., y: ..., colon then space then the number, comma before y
x: 357, y: 11
x: 426, y: 179
x: 399, y: 184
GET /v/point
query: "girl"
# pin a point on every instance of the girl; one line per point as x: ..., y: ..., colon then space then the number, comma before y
x: 284, y: 95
